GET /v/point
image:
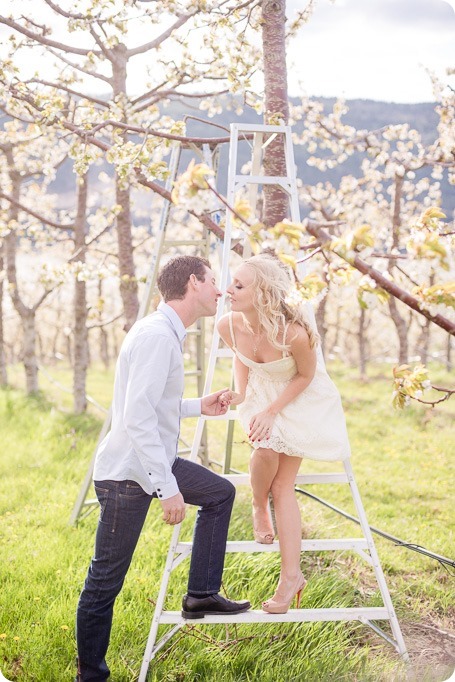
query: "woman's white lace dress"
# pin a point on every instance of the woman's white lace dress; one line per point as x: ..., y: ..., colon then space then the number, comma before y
x: 312, y: 425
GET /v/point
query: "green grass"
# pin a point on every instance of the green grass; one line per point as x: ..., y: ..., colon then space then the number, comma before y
x: 404, y: 466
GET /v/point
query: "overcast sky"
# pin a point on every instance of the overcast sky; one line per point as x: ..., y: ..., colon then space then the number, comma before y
x: 370, y: 49
x: 374, y: 49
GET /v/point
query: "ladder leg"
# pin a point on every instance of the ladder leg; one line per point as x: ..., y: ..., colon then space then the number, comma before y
x: 150, y: 648
x: 399, y: 641
x: 88, y: 476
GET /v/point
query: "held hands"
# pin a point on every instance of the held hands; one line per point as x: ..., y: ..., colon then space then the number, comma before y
x: 231, y: 398
x: 173, y: 509
x: 261, y: 425
x: 212, y: 405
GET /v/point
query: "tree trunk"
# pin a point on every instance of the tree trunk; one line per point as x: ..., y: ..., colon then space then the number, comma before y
x: 29, y: 351
x: 276, y: 202
x: 104, y: 348
x: 423, y: 342
x: 128, y: 283
x: 321, y: 321
x: 26, y: 314
x: 402, y: 330
x: 400, y: 324
x: 80, y: 305
x: 3, y: 372
x: 449, y: 363
x: 362, y: 344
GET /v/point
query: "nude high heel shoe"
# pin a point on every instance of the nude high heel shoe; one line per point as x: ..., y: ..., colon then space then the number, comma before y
x: 279, y: 604
x: 264, y: 537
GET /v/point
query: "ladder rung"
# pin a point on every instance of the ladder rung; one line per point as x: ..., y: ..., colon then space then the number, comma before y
x: 185, y: 242
x: 303, y: 479
x: 224, y: 353
x: 322, y: 545
x: 262, y: 180
x: 193, y: 373
x: 230, y: 414
x: 259, y: 128
x: 292, y: 616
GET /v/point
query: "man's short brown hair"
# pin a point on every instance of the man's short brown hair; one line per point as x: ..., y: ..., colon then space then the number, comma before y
x: 174, y: 276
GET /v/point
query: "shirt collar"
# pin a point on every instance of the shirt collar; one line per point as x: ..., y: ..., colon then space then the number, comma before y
x: 174, y: 319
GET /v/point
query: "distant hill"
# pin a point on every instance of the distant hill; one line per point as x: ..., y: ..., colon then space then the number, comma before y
x: 363, y: 114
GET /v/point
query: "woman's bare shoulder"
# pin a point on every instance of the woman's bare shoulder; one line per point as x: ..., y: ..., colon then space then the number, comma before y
x: 297, y: 336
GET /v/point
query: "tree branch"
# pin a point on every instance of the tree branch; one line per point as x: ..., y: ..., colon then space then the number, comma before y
x: 43, y: 297
x: 175, y: 94
x: 42, y: 40
x: 160, y: 39
x: 315, y: 230
x: 158, y: 133
x: 39, y: 217
x: 62, y: 12
x: 107, y: 79
x: 70, y: 91
x: 100, y: 44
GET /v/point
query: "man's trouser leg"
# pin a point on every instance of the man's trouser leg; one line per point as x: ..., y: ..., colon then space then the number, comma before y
x: 215, y: 497
x: 124, y: 506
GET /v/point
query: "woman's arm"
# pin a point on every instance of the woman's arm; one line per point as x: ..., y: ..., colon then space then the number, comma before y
x: 240, y: 370
x: 305, y: 358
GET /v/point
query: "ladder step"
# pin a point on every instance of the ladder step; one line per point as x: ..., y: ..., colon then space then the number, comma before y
x: 230, y: 414
x: 185, y: 242
x: 342, y: 544
x: 224, y: 353
x: 303, y: 479
x: 193, y: 373
x: 292, y: 616
x: 262, y: 180
x: 259, y: 128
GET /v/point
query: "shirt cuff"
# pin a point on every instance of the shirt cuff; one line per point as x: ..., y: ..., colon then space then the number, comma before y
x: 166, y: 490
x: 191, y: 407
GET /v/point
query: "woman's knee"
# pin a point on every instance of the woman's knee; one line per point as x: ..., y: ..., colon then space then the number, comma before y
x: 281, y: 488
x: 264, y: 456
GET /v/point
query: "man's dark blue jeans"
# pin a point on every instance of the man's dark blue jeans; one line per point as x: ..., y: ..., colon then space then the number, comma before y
x: 124, y: 507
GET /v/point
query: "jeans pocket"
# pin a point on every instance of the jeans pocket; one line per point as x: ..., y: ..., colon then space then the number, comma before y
x: 132, y: 489
x: 107, y: 515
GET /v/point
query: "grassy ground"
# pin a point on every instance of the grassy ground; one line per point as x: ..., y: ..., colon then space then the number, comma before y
x: 404, y: 465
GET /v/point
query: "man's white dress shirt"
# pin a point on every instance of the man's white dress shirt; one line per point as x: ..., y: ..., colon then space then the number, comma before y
x: 147, y: 406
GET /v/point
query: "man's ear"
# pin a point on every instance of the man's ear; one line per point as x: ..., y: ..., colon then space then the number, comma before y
x: 193, y: 280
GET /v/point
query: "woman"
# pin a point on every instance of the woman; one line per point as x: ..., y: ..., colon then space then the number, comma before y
x: 288, y: 406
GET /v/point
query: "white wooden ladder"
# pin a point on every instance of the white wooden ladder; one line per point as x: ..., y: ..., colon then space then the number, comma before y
x: 363, y: 546
x: 164, y: 241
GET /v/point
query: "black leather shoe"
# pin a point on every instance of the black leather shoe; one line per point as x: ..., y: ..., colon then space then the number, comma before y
x: 215, y: 605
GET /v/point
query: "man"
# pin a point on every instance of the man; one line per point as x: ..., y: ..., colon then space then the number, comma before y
x: 137, y: 461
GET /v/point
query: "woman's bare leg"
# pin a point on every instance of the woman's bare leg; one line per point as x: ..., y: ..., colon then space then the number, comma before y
x: 288, y: 520
x: 263, y: 469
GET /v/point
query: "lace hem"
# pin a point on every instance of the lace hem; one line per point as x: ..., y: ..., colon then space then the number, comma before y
x: 278, y: 445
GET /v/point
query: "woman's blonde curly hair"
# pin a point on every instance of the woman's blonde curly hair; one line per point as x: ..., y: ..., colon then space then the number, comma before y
x: 272, y: 285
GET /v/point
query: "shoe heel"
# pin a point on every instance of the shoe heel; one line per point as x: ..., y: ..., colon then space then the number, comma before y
x: 299, y: 593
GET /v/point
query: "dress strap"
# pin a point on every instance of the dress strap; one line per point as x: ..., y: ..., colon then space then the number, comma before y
x: 231, y: 329
x: 286, y: 327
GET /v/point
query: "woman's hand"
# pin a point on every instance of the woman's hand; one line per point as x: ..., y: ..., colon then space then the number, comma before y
x: 261, y: 425
x: 231, y: 398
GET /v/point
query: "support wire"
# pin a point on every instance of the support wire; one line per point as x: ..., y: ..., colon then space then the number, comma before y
x: 444, y: 561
